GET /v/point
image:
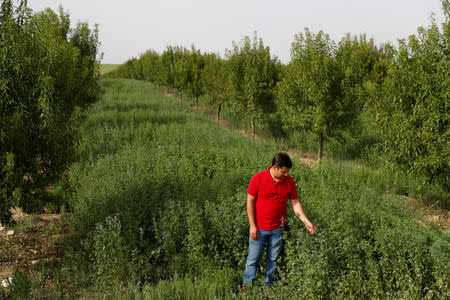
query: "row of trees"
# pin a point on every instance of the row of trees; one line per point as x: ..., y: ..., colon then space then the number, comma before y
x: 244, y: 81
x: 326, y: 87
x: 48, y: 75
x: 321, y: 90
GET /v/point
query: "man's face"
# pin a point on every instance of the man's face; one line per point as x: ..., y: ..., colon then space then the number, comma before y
x: 280, y: 173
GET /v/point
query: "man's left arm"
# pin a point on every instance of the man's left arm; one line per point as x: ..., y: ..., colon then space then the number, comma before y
x: 298, y: 210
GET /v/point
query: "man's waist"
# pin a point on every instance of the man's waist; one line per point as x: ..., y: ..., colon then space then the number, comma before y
x: 271, y: 223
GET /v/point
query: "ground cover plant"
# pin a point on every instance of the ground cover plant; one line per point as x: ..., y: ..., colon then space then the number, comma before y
x: 159, y: 204
x: 105, y: 68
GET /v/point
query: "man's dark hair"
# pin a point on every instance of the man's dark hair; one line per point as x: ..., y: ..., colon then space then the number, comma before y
x: 281, y: 159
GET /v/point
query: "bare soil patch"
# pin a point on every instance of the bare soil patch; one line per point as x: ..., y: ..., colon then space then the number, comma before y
x: 35, y: 240
x: 434, y: 216
x: 308, y: 159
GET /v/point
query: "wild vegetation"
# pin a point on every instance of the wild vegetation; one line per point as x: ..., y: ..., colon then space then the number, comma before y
x: 159, y: 211
x: 105, y: 68
x: 160, y: 203
x: 156, y: 191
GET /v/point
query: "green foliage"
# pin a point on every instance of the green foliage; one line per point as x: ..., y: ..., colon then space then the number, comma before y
x: 333, y: 92
x: 253, y: 75
x: 130, y: 69
x: 195, y: 63
x: 20, y: 286
x: 309, y: 89
x: 150, y: 161
x: 175, y: 183
x: 105, y: 68
x: 446, y: 9
x: 150, y: 66
x: 411, y: 107
x: 323, y: 86
x: 110, y: 254
x: 210, y: 284
x: 47, y: 78
x: 171, y: 59
x: 365, y: 244
x: 216, y: 79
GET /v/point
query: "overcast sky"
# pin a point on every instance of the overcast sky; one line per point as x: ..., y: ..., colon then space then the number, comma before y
x: 129, y: 28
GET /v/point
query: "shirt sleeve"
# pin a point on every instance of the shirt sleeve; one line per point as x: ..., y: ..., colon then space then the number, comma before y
x: 293, y: 193
x: 253, y: 187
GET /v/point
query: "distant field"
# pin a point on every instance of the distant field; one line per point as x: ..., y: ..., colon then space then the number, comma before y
x: 105, y: 68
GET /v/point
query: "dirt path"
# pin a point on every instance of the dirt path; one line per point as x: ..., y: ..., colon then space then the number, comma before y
x: 432, y: 216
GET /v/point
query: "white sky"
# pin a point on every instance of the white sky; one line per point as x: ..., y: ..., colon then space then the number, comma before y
x: 129, y: 28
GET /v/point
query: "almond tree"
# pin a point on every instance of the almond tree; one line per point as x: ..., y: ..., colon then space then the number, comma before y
x: 168, y: 59
x: 253, y: 75
x: 320, y: 90
x: 216, y: 79
x: 48, y: 75
x: 412, y: 106
x: 150, y: 65
x: 195, y: 65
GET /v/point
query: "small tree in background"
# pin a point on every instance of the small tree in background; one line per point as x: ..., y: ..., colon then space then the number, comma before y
x: 195, y: 62
x: 321, y: 90
x: 216, y: 80
x: 308, y: 94
x: 253, y: 75
x: 178, y: 68
x: 159, y: 74
x: 150, y: 66
x: 168, y: 63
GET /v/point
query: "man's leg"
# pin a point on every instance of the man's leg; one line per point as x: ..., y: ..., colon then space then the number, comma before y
x: 255, y: 250
x: 274, y: 246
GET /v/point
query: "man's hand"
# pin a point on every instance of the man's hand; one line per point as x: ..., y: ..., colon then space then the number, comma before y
x: 310, y: 226
x: 254, y: 233
x: 298, y: 210
x: 251, y: 217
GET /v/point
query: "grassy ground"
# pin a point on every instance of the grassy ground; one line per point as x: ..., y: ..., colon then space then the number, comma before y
x: 159, y: 207
x: 105, y: 68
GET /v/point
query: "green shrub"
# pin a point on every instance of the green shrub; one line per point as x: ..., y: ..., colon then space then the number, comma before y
x: 20, y: 286
x: 110, y: 255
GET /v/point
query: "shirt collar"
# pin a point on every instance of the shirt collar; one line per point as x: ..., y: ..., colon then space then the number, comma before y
x: 269, y: 177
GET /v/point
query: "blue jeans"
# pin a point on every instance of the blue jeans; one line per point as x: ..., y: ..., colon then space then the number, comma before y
x: 274, y: 241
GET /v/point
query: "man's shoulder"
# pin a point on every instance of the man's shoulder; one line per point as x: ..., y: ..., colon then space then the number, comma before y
x: 258, y: 176
x: 260, y: 173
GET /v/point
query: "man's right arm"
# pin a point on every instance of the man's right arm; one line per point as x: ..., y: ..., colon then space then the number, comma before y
x: 252, y: 217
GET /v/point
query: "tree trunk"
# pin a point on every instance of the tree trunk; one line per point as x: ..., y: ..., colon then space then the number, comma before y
x: 179, y: 96
x: 320, y: 152
x: 196, y: 101
x: 253, y: 126
x: 219, y: 108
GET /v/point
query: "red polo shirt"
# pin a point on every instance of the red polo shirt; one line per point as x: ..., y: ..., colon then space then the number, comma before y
x: 271, y: 198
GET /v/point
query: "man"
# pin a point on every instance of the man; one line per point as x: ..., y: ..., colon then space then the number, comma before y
x: 267, y: 196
